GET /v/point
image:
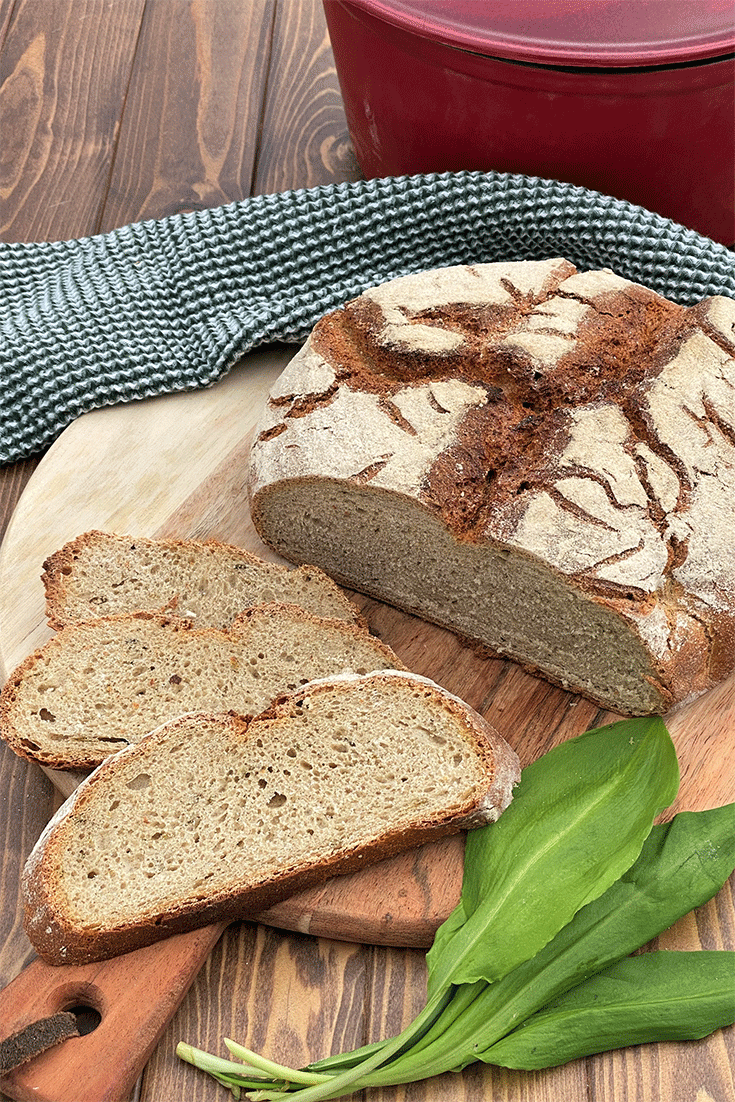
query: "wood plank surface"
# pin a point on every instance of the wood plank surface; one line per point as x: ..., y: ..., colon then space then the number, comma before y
x: 189, y: 135
x: 114, y: 110
x: 64, y: 71
x: 304, y: 133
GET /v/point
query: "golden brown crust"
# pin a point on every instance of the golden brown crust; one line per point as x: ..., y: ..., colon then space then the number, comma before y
x: 58, y: 940
x: 58, y: 569
x: 62, y: 757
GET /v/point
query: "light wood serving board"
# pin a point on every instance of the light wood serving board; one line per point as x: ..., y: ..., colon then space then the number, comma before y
x: 176, y: 466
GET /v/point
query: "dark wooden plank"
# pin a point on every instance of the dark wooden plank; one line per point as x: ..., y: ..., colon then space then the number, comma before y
x: 64, y: 70
x: 190, y: 131
x: 304, y: 135
x: 6, y: 10
x: 26, y: 802
x: 13, y: 479
x: 288, y: 996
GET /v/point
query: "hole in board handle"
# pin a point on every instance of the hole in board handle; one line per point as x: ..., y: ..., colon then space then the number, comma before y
x: 87, y: 1018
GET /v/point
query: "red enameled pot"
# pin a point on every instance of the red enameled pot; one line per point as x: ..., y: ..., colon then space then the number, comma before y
x: 633, y: 98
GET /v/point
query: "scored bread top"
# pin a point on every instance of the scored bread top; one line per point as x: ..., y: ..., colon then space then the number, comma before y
x: 577, y: 419
x: 214, y: 817
x: 101, y: 574
x: 101, y: 684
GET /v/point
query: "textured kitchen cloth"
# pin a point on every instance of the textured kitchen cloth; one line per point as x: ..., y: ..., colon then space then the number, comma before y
x: 170, y: 304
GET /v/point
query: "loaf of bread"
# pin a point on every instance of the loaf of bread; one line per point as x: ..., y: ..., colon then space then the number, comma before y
x: 538, y: 458
x: 101, y: 574
x: 97, y: 686
x: 215, y: 817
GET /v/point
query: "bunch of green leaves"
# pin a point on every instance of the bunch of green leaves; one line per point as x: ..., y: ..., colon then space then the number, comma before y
x: 529, y: 969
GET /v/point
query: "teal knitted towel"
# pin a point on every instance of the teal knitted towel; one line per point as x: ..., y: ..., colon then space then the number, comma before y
x: 171, y: 304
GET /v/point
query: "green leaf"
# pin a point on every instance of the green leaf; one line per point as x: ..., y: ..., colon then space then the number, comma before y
x: 682, y: 865
x: 664, y: 996
x: 578, y: 819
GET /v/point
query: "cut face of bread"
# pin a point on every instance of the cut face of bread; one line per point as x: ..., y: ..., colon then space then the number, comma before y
x: 214, y: 817
x: 542, y: 460
x: 101, y: 574
x: 496, y: 595
x: 98, y: 686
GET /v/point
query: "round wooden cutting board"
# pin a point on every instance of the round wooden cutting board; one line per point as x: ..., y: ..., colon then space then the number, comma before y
x: 177, y: 466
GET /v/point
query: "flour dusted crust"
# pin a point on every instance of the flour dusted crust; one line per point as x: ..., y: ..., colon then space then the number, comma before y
x: 577, y: 422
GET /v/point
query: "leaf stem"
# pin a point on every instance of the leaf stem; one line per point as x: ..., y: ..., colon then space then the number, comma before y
x: 258, y: 1063
x: 361, y: 1072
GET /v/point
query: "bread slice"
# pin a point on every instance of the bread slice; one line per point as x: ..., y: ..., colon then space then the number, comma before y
x: 215, y: 817
x: 98, y: 686
x: 101, y: 574
x: 540, y: 459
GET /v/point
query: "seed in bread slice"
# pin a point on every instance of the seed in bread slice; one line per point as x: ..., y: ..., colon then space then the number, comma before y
x: 101, y: 574
x: 97, y: 686
x: 215, y: 817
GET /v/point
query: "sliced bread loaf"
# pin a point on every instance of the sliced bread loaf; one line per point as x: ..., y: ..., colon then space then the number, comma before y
x: 215, y: 817
x: 541, y: 459
x: 97, y: 686
x: 101, y: 574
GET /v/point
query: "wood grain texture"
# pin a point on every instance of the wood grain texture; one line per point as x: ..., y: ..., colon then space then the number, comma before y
x: 62, y: 94
x: 304, y: 134
x: 26, y: 803
x: 13, y: 479
x: 135, y: 109
x: 190, y: 132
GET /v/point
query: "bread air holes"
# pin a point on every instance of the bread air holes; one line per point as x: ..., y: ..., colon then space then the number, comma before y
x: 432, y: 737
x: 278, y: 799
x: 137, y: 784
x: 46, y: 715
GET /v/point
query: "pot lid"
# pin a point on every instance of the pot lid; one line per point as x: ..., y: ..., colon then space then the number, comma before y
x: 570, y: 32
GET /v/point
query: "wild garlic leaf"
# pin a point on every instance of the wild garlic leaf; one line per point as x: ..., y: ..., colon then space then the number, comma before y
x: 578, y: 820
x: 683, y: 864
x: 661, y: 996
x: 446, y: 931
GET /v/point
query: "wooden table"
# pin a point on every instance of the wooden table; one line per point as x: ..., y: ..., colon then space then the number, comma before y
x: 116, y: 110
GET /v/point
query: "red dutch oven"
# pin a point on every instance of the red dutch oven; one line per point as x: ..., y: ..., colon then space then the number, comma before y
x: 633, y: 98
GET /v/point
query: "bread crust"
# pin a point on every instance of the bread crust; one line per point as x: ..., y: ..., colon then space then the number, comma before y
x: 59, y: 940
x: 574, y: 419
x: 58, y: 572
x: 71, y: 639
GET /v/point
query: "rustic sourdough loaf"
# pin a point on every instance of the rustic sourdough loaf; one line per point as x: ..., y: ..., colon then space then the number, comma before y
x: 216, y: 817
x: 99, y: 685
x: 101, y: 574
x: 541, y: 459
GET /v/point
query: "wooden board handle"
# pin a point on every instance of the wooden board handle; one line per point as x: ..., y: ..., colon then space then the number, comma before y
x: 136, y: 995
